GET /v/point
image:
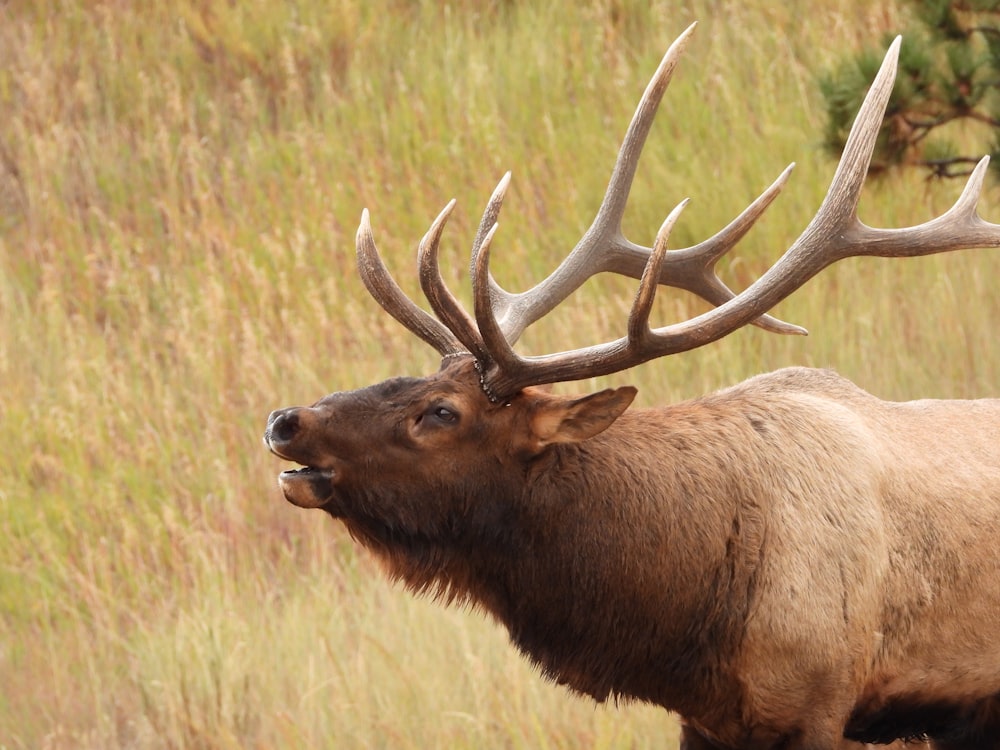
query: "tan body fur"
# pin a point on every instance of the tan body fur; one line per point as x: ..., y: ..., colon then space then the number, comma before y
x: 878, y: 577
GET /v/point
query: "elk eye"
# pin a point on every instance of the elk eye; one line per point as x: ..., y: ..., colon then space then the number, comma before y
x: 444, y: 414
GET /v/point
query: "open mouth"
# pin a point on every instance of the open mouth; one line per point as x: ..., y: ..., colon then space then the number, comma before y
x: 307, y: 486
x: 302, y: 471
x: 306, y: 472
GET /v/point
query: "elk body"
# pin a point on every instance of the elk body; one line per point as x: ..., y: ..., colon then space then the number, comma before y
x: 788, y: 563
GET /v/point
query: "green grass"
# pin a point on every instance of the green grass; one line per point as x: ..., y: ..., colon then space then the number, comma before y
x: 180, y: 184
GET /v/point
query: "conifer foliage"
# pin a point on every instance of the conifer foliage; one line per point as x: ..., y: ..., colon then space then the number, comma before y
x: 945, y: 108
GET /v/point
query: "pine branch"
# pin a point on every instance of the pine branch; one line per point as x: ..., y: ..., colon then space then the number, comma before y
x: 945, y: 168
x: 950, y: 72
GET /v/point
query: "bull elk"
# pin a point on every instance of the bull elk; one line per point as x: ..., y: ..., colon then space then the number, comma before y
x: 787, y: 563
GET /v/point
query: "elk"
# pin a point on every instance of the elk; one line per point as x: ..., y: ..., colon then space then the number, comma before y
x: 787, y: 563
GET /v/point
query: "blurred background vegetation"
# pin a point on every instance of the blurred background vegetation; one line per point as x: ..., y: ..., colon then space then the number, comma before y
x: 180, y: 183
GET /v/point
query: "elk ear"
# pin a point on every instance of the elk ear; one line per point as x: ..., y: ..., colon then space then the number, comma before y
x: 555, y: 419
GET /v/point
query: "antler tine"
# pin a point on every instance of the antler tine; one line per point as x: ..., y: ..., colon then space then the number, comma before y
x: 693, y: 268
x: 609, y: 216
x: 638, y: 319
x: 491, y: 214
x: 501, y: 356
x: 501, y: 301
x: 833, y: 234
x: 603, y: 248
x: 957, y: 228
x: 393, y: 300
x: 442, y: 301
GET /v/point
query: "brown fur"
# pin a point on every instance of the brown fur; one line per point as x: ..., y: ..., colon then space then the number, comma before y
x: 788, y: 563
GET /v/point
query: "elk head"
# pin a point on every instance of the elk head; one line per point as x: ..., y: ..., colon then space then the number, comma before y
x: 480, y: 420
x: 416, y: 435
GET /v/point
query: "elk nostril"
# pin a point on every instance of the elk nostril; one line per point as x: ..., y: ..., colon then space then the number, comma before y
x: 283, y: 425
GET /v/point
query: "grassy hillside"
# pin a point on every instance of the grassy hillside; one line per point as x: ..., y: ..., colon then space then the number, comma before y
x: 180, y: 183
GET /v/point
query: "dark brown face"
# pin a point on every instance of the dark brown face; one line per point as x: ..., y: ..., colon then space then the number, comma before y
x: 378, y: 434
x: 413, y: 453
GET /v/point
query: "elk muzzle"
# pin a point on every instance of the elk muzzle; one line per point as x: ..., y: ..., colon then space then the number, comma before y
x: 288, y: 436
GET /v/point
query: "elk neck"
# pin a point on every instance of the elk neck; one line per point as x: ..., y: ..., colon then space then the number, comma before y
x: 595, y: 543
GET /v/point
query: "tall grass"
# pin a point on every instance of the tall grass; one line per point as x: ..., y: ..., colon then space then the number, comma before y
x: 180, y: 184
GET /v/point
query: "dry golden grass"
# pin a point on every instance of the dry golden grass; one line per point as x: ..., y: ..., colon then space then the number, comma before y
x: 180, y: 184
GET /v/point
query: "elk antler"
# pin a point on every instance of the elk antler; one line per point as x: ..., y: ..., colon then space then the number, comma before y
x: 500, y: 317
x: 603, y: 248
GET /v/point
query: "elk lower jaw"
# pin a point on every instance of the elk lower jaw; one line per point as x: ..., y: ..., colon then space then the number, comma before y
x: 307, y: 487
